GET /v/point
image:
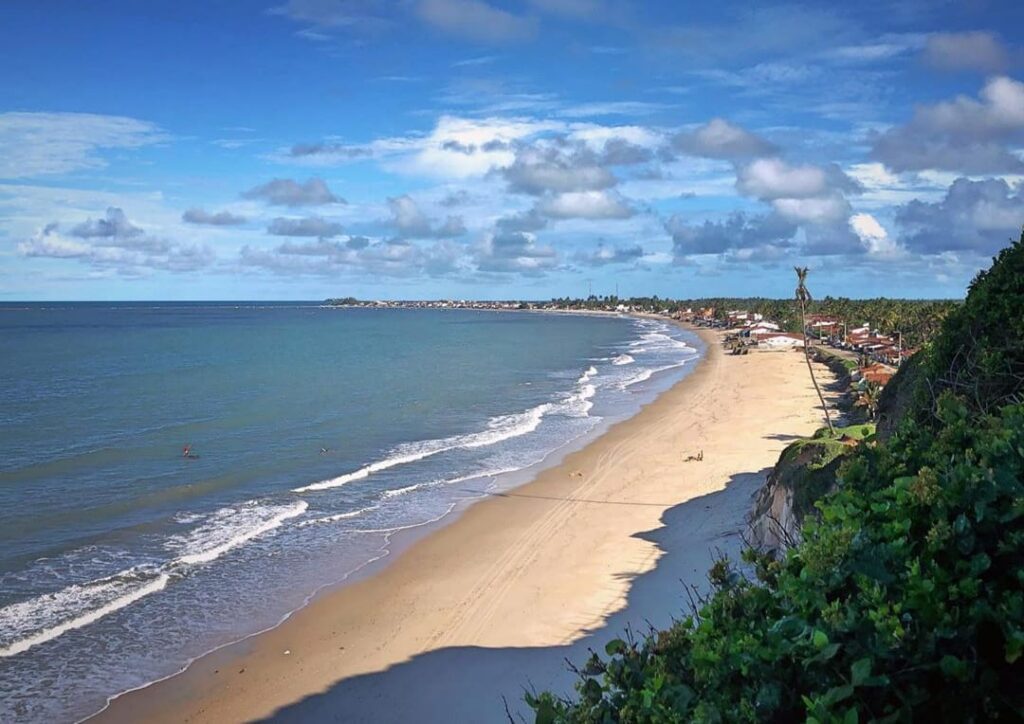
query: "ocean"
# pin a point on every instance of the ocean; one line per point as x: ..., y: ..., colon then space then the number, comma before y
x: 175, y: 477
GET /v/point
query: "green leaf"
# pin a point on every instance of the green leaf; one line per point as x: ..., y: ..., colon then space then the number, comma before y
x: 837, y: 694
x: 615, y: 646
x: 819, y: 638
x: 953, y: 667
x: 825, y: 654
x: 860, y: 671
x: 1014, y: 647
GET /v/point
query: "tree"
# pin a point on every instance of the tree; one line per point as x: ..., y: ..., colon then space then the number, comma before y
x: 868, y: 399
x: 803, y: 295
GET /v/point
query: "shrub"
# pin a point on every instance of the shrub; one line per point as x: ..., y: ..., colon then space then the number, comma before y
x: 905, y: 599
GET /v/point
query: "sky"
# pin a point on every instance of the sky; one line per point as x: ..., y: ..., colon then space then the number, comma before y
x: 477, y: 149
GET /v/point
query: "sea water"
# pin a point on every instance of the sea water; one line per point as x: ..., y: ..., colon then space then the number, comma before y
x: 174, y: 477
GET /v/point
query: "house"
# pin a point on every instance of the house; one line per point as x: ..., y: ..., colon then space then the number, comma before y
x: 879, y: 374
x: 780, y: 341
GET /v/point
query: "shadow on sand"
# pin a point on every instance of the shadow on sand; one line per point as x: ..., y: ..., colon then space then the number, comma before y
x: 468, y: 684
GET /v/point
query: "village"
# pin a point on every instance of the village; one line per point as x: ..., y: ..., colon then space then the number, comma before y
x: 868, y: 356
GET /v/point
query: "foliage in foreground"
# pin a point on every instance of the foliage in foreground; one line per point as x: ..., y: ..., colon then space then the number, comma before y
x: 905, y: 599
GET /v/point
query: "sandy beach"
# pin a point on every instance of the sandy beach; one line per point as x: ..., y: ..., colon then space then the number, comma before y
x: 494, y: 602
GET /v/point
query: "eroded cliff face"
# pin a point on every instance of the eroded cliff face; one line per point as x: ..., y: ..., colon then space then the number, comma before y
x: 806, y: 471
x: 773, y: 525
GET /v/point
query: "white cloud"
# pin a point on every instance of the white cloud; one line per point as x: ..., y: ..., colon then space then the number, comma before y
x: 819, y: 210
x: 515, y: 251
x: 585, y: 205
x: 38, y: 144
x: 412, y: 223
x: 720, y: 139
x: 773, y: 178
x: 962, y: 135
x: 115, y: 243
x: 874, y: 237
x: 287, y: 192
x: 490, y: 139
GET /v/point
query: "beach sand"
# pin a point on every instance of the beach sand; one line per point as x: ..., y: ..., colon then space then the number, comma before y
x: 462, y: 621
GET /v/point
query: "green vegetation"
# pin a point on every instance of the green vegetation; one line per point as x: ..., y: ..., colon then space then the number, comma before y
x: 917, y: 319
x: 808, y: 468
x: 905, y: 598
x: 835, y: 362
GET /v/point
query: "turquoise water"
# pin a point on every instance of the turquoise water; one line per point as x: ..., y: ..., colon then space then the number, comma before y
x: 313, y: 434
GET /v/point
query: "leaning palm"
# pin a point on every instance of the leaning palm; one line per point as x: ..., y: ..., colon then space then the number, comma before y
x: 802, y: 297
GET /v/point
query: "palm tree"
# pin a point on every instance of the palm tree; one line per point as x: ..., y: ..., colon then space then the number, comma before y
x: 868, y: 399
x: 802, y: 297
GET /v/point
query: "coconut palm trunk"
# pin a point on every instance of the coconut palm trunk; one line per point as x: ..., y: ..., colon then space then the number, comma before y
x: 802, y: 297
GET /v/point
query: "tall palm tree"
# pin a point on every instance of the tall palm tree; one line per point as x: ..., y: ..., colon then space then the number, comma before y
x: 802, y: 297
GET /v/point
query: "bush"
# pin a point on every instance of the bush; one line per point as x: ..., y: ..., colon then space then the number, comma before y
x: 905, y: 599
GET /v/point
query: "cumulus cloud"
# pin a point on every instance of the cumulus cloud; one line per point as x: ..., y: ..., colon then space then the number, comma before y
x: 772, y: 178
x: 585, y: 205
x: 443, y: 154
x: 357, y: 255
x: 309, y: 226
x: 113, y: 224
x: 530, y: 220
x: 876, y: 240
x: 515, y: 251
x: 287, y: 192
x: 455, y: 198
x: 621, y: 152
x: 804, y: 194
x: 220, y: 218
x: 966, y: 51
x: 476, y: 21
x: 738, y: 231
x: 974, y: 216
x: 720, y: 139
x: 37, y: 144
x: 539, y: 170
x: 113, y: 242
x: 816, y: 210
x: 604, y: 255
x: 411, y: 223
x: 963, y: 135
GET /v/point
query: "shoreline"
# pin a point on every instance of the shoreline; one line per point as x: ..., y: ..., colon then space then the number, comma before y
x: 399, y: 539
x: 440, y: 590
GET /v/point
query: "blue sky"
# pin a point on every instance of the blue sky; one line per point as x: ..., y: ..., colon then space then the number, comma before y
x: 300, y: 149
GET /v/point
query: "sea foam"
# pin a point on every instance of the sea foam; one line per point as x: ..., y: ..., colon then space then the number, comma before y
x: 499, y: 428
x: 44, y: 618
x: 229, y: 528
